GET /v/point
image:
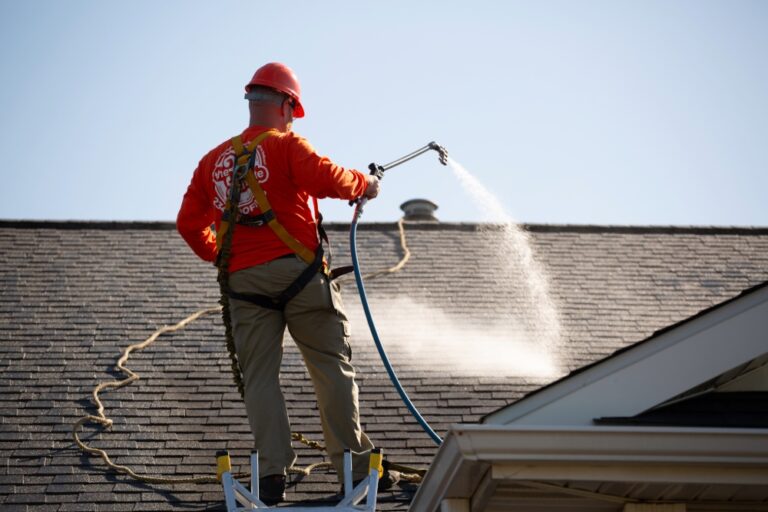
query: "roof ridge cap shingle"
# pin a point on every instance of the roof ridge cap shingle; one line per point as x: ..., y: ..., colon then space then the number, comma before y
x: 114, y: 225
x: 427, y: 226
x: 648, y: 228
x: 563, y: 228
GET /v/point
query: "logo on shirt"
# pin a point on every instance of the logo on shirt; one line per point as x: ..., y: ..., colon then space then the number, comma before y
x: 222, y: 180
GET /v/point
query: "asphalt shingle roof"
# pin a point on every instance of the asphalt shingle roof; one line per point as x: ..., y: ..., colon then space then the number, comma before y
x: 73, y: 295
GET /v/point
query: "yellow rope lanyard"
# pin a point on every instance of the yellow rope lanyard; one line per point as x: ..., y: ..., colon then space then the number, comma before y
x: 407, y: 473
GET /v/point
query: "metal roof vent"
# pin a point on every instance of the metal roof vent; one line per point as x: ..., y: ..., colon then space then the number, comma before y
x: 419, y: 209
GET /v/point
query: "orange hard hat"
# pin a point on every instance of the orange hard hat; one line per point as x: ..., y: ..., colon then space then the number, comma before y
x: 281, y: 78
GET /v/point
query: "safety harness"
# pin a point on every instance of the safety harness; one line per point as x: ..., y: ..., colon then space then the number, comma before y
x: 245, y: 159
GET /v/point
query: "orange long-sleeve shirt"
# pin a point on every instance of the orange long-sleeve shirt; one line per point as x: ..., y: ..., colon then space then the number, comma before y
x: 289, y: 170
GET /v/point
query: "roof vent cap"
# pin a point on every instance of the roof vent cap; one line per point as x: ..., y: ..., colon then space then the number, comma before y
x: 419, y: 209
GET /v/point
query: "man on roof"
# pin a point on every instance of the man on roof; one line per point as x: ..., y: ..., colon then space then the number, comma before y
x: 267, y: 244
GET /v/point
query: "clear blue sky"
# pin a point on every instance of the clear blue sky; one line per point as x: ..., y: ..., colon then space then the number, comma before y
x: 606, y: 112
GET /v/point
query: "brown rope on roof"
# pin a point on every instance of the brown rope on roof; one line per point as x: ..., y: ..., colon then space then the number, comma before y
x: 403, y: 260
x: 102, y: 419
x: 400, y: 264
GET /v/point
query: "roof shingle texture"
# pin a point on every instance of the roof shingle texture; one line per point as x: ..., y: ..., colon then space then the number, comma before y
x: 73, y: 295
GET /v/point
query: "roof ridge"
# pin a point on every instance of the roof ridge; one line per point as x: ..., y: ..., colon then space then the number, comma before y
x: 426, y: 226
x: 86, y: 224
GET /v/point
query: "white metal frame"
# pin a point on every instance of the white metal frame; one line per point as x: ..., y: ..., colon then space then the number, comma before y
x: 238, y: 498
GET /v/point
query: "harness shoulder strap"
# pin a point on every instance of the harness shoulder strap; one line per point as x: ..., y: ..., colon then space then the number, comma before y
x: 261, y: 199
x: 244, y: 154
x: 237, y: 143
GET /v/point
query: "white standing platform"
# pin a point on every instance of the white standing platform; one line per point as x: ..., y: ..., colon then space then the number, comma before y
x: 238, y: 498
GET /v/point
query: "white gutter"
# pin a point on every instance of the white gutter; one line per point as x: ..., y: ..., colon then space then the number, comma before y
x: 685, y: 455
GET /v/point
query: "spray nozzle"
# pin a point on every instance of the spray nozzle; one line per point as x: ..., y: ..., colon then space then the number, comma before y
x: 441, y: 150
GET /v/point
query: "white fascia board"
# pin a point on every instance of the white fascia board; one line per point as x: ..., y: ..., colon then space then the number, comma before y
x: 649, y: 454
x: 653, y: 371
x: 622, y: 445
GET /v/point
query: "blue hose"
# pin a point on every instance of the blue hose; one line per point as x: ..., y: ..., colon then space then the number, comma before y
x: 375, y: 334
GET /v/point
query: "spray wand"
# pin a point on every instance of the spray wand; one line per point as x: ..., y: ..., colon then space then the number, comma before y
x: 378, y: 171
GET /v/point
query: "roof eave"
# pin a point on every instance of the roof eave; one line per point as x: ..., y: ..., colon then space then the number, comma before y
x: 540, y: 454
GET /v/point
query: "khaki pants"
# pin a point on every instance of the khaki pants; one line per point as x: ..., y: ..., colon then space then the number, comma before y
x: 317, y: 322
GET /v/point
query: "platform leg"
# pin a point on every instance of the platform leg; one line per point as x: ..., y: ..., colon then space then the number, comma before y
x: 374, y: 473
x: 255, y: 473
x: 347, y: 473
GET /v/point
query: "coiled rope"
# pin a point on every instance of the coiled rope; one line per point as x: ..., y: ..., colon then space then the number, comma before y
x: 407, y: 473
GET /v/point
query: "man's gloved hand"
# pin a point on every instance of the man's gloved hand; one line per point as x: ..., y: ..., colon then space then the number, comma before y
x: 372, y: 190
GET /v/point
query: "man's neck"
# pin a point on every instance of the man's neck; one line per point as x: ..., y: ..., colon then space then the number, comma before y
x: 268, y: 122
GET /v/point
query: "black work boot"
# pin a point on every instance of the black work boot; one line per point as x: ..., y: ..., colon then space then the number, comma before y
x: 272, y: 489
x: 388, y: 479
